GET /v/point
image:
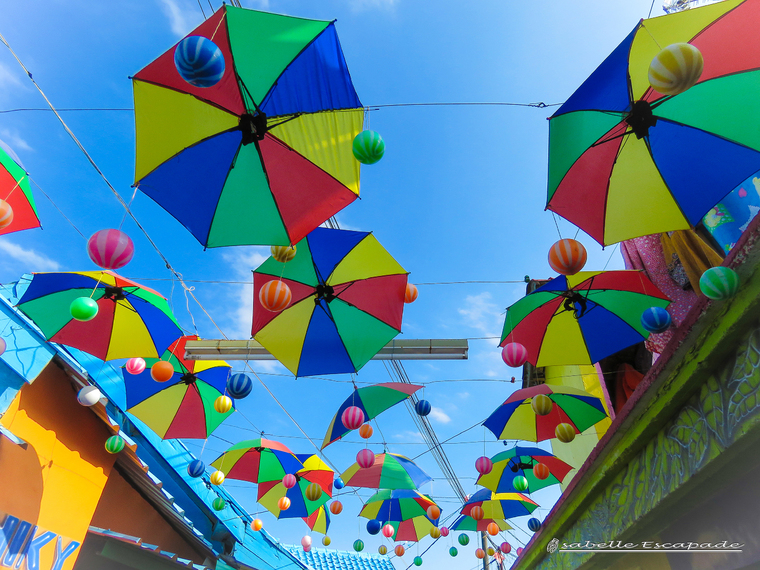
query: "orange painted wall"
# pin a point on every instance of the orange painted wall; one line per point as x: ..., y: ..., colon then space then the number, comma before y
x: 57, y: 481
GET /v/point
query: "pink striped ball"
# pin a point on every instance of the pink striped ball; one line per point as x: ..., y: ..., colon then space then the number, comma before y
x: 483, y: 465
x: 514, y: 354
x: 352, y: 417
x: 567, y: 256
x: 289, y: 481
x: 444, y: 531
x: 110, y: 249
x: 365, y: 458
x: 135, y: 365
x: 275, y: 296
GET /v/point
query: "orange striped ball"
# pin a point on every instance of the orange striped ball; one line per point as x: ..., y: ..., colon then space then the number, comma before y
x: 336, y: 507
x: 275, y: 296
x: 365, y: 431
x: 410, y: 295
x: 257, y: 524
x: 480, y: 553
x: 6, y: 214
x: 399, y: 550
x: 540, y: 471
x: 565, y: 432
x: 283, y: 503
x: 433, y: 512
x: 477, y: 513
x: 675, y: 69
x: 567, y: 256
x: 493, y: 529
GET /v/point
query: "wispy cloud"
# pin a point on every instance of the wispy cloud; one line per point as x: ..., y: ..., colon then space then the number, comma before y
x: 181, y: 20
x: 439, y: 416
x: 481, y: 314
x: 14, y: 140
x: 8, y: 78
x: 409, y: 437
x: 29, y: 259
x: 370, y: 4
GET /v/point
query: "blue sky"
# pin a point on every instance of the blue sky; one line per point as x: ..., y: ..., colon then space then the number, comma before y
x: 459, y: 195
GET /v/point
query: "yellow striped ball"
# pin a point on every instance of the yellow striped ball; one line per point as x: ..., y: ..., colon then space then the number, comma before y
x: 217, y: 478
x: 435, y: 532
x: 283, y: 253
x: 326, y: 540
x: 223, y: 404
x: 382, y: 549
x: 313, y: 492
x: 675, y: 69
x: 565, y: 432
x: 542, y: 405
x: 6, y: 214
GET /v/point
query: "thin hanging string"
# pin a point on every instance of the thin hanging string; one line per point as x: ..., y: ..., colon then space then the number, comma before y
x: 554, y: 216
x: 18, y: 182
x: 650, y: 33
x: 97, y: 284
x: 57, y: 208
x: 124, y: 217
x: 610, y: 257
x: 201, y: 7
x: 650, y: 9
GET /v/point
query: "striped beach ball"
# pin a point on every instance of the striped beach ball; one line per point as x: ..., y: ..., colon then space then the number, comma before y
x: 199, y: 61
x: 283, y: 504
x: 567, y: 256
x: 110, y: 249
x: 223, y: 404
x: 453, y: 551
x: 336, y: 507
x: 444, y: 531
x: 239, y: 385
x: 655, y: 319
x: 382, y: 549
x: 283, y: 253
x: 493, y: 529
x: 358, y: 545
x: 365, y: 458
x: 196, y: 468
x: 135, y: 365
x: 423, y: 408
x: 217, y: 478
x: 480, y: 553
x: 520, y: 483
x: 374, y: 526
x: 289, y: 481
x: 275, y: 296
x: 399, y: 550
x: 434, y: 512
x: 115, y: 444
x: 352, y: 417
x: 719, y: 283
x: 313, y: 492
x: 6, y: 214
x: 514, y: 354
x: 542, y: 405
x: 219, y: 504
x: 410, y: 295
x: 483, y: 465
x: 505, y: 547
x: 534, y: 524
x: 519, y: 551
x: 365, y: 431
x: 89, y: 396
x: 257, y: 524
x: 463, y: 539
x: 435, y: 532
x: 541, y: 471
x: 368, y: 147
x: 565, y: 432
x: 418, y: 560
x: 476, y: 513
x: 388, y: 531
x: 675, y: 69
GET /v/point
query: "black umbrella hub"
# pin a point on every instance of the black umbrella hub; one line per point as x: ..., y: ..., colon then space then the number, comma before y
x: 254, y: 127
x: 641, y: 119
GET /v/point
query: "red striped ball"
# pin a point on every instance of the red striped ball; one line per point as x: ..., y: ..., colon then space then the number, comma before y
x: 541, y: 471
x: 365, y: 458
x: 567, y: 256
x: 275, y: 296
x: 352, y: 417
x: 110, y: 249
x: 6, y: 214
x: 514, y: 354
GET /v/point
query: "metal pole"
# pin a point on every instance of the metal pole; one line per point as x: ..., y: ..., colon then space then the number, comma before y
x: 484, y: 542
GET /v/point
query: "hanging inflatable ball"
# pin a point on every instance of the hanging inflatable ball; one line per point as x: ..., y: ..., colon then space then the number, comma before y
x: 283, y: 253
x: 444, y: 531
x: 519, y: 551
x: 675, y: 69
x: 534, y: 525
x: 352, y: 417
x: 338, y: 483
x: 89, y: 396
x: 435, y: 532
x: 491, y: 551
x: 3, y: 346
x: 326, y: 541
x: 565, y: 432
x: 257, y: 524
x: 110, y: 249
x: 520, y: 484
x: 514, y: 354
x: 83, y: 309
x: 162, y: 371
x: 358, y: 545
x: 567, y: 256
x: 283, y: 504
x: 719, y: 283
x: 477, y: 513
x: 505, y: 547
x: 382, y: 549
x: 6, y: 214
x: 483, y: 465
x: 480, y: 554
x: 196, y: 468
x: 493, y: 529
x: 655, y: 319
x: 423, y: 408
x: 219, y: 504
x: 418, y: 560
x: 115, y: 444
x: 365, y: 458
x: 135, y: 365
x: 365, y: 431
x: 275, y: 296
x: 388, y: 531
x: 399, y: 550
x: 433, y: 512
x: 410, y: 295
x: 289, y: 481
x: 313, y: 492
x: 542, y: 405
x: 453, y: 551
x: 541, y: 471
x: 374, y: 526
x: 306, y: 541
x: 239, y: 385
x: 368, y: 147
x: 336, y: 507
x: 199, y: 61
x: 217, y: 478
x: 463, y: 539
x: 223, y: 404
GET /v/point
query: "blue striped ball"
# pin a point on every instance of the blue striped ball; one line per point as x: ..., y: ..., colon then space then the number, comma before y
x: 239, y: 385
x: 655, y: 319
x: 423, y: 407
x: 196, y: 468
x: 534, y: 524
x: 199, y: 61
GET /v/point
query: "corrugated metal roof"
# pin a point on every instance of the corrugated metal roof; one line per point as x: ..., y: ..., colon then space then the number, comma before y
x: 325, y: 559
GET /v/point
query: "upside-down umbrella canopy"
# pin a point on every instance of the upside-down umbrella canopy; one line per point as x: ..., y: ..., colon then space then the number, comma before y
x: 515, y: 418
x: 582, y: 318
x: 264, y: 156
x: 257, y: 461
x: 182, y: 407
x: 313, y: 470
x: 397, y: 505
x: 617, y: 181
x: 319, y: 520
x: 348, y: 301
x: 469, y: 523
x: 372, y: 400
x: 519, y: 461
x: 500, y: 505
x: 132, y: 320
x: 15, y: 189
x: 411, y: 530
x: 389, y: 471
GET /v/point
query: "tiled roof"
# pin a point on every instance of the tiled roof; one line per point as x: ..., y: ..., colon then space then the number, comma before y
x: 324, y: 559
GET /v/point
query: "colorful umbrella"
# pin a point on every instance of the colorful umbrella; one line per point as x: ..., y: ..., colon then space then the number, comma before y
x: 319, y: 520
x: 500, y: 505
x: 348, y: 300
x: 264, y: 155
x: 372, y: 400
x: 132, y: 320
x: 625, y: 161
x: 519, y: 461
x: 15, y: 189
x: 314, y: 470
x: 515, y: 418
x: 411, y: 530
x: 582, y: 318
x: 257, y: 461
x: 469, y: 523
x: 182, y: 407
x: 397, y: 505
x: 389, y: 471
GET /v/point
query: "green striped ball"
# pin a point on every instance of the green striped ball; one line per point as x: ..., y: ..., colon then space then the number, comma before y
x: 368, y: 147
x: 115, y: 444
x: 219, y: 504
x: 719, y: 283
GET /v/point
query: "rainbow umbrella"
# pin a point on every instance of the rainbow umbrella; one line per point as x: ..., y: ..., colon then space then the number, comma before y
x: 313, y: 470
x: 500, y: 505
x: 411, y: 530
x: 15, y: 189
x: 469, y: 523
x: 519, y: 461
x: 132, y: 320
x: 397, y: 505
x: 515, y: 418
x: 319, y: 520
x: 582, y: 318
x: 347, y: 304
x: 372, y: 400
x: 257, y: 461
x: 182, y: 407
x: 264, y: 156
x: 389, y: 471
x: 626, y: 161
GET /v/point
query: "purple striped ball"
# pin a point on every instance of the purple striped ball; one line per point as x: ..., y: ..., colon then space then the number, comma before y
x: 110, y: 249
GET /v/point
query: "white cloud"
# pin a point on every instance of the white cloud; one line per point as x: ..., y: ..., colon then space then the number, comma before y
x: 409, y: 437
x: 13, y: 139
x: 439, y: 415
x: 8, y: 78
x: 481, y: 314
x: 181, y: 20
x: 369, y: 4
x: 30, y: 259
